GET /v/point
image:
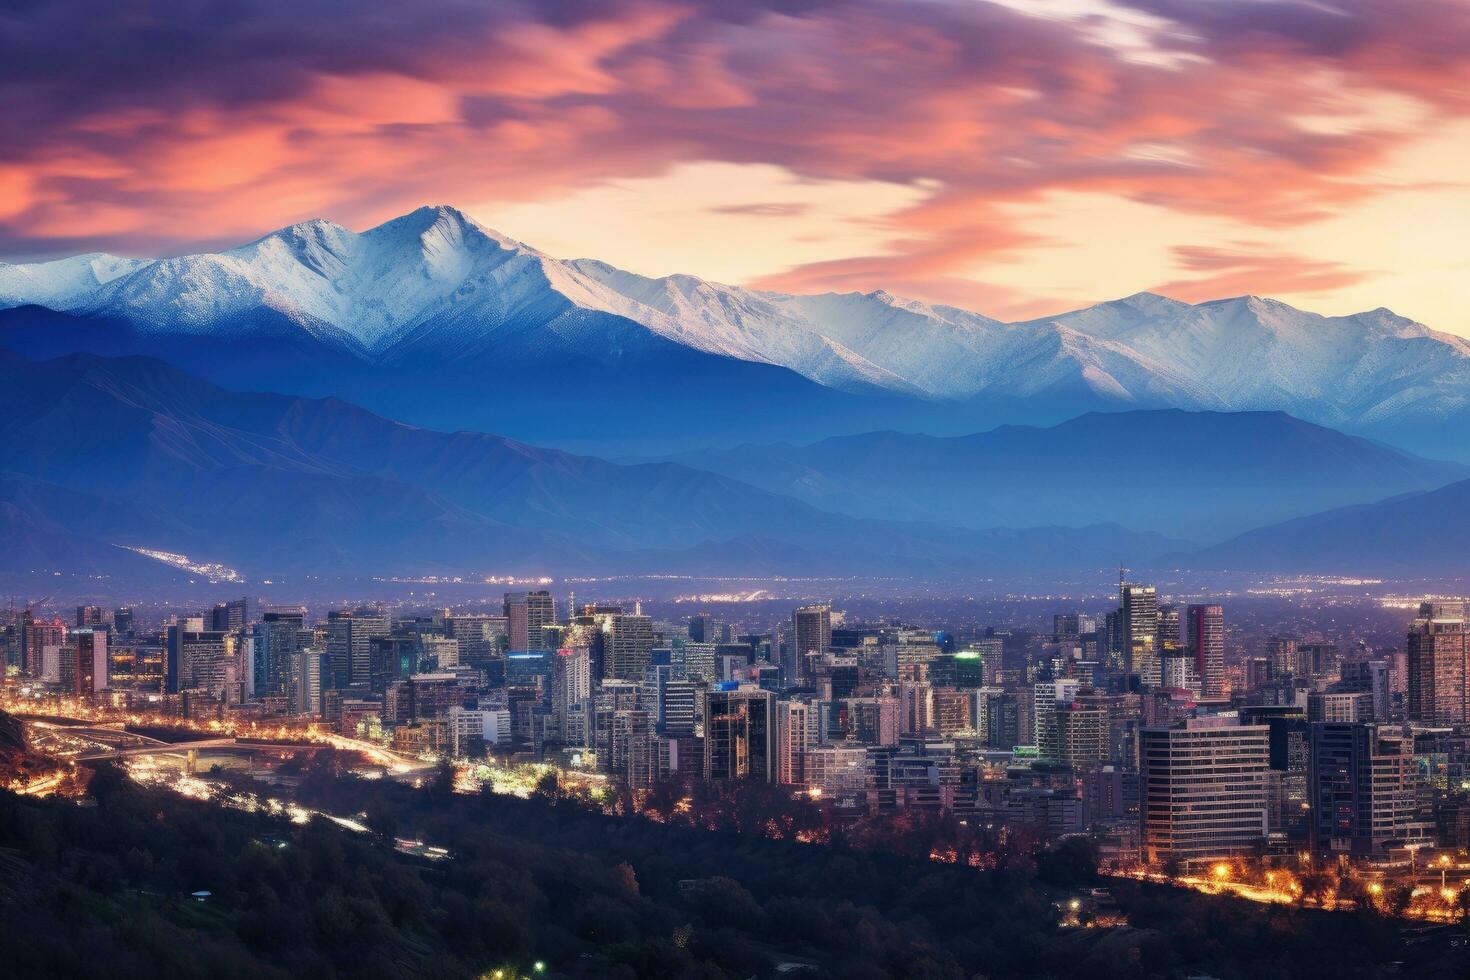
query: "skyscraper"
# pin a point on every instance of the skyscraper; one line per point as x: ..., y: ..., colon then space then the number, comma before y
x: 1437, y: 655
x: 349, y: 645
x: 1139, y: 619
x: 1206, y: 642
x: 90, y: 676
x: 702, y: 628
x: 811, y: 631
x: 739, y: 734
x: 278, y: 637
x: 231, y: 615
x: 1203, y: 785
x: 1046, y: 696
x: 627, y: 639
x: 35, y: 636
x: 1361, y: 781
x: 481, y: 637
x: 793, y: 730
x: 528, y: 615
x: 199, y: 659
x: 1168, y: 628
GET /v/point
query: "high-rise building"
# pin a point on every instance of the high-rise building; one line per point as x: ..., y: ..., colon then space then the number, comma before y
x: 1206, y: 643
x: 916, y: 707
x: 93, y: 616
x: 1046, y: 696
x: 36, y: 635
x: 1437, y: 667
x: 200, y: 660
x: 1369, y: 677
x: 1001, y: 722
x: 528, y: 615
x: 627, y: 639
x: 700, y: 661
x: 1286, y: 659
x: 1203, y: 786
x: 739, y: 734
x: 792, y: 734
x: 233, y: 615
x: 1362, y: 784
x: 1168, y: 628
x: 1081, y: 735
x: 481, y: 637
x: 1072, y: 625
x: 279, y: 636
x: 1139, y: 618
x: 349, y: 644
x: 703, y: 628
x: 811, y: 634
x: 309, y: 666
x: 669, y: 700
x: 90, y: 676
x: 571, y: 695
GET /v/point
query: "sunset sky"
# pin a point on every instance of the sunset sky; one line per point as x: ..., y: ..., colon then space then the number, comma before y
x: 1016, y: 158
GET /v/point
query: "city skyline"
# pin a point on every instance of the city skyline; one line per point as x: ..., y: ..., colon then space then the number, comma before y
x: 707, y: 490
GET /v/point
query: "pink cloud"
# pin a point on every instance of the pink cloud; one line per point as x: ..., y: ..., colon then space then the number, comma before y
x: 198, y: 130
x: 1252, y: 267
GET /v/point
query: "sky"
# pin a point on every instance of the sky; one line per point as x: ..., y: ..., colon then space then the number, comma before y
x: 1016, y: 158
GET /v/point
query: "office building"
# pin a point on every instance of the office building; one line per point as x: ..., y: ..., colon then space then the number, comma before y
x: 91, y: 672
x: 811, y: 635
x: 1206, y: 644
x: 349, y: 644
x: 528, y: 615
x: 1437, y: 666
x: 1362, y: 783
x: 1138, y: 617
x: 1203, y: 785
x: 739, y: 734
x: 627, y: 639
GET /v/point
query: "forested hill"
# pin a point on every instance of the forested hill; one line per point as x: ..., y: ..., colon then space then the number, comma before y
x: 104, y: 892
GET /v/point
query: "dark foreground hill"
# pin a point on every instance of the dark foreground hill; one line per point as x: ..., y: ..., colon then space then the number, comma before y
x: 104, y: 892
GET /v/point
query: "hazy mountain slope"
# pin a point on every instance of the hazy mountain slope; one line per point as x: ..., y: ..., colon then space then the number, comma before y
x: 1412, y: 535
x: 270, y: 483
x: 51, y: 533
x: 1197, y: 475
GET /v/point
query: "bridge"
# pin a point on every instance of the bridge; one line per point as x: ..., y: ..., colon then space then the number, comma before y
x: 191, y: 750
x: 118, y: 743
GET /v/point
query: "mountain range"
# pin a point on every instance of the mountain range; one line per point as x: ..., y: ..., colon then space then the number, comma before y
x: 439, y: 321
x: 107, y: 458
x: 1200, y: 476
x: 107, y: 454
x: 1414, y: 536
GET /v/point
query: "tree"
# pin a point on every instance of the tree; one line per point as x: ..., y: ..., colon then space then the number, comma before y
x: 1073, y: 861
x: 107, y: 781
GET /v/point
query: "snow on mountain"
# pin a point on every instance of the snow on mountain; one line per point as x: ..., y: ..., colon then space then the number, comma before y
x: 436, y: 280
x: 1250, y: 353
x: 64, y: 283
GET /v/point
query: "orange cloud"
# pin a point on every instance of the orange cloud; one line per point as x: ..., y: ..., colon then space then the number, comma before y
x: 193, y: 131
x: 1249, y: 268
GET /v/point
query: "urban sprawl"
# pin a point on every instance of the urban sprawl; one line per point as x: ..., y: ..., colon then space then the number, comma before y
x: 1308, y: 770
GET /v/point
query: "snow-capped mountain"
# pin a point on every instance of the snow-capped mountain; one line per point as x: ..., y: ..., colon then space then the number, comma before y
x: 435, y: 290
